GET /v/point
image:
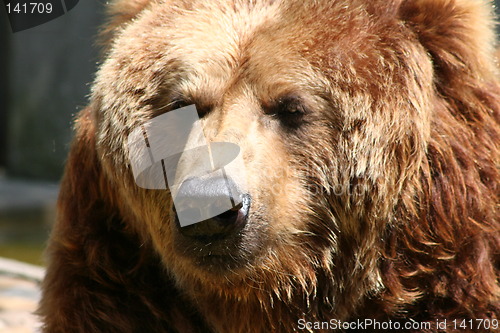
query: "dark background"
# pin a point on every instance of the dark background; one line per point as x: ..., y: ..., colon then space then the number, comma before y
x: 44, y: 80
x: 45, y: 76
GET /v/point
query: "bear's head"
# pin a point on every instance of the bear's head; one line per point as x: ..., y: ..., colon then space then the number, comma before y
x: 367, y: 132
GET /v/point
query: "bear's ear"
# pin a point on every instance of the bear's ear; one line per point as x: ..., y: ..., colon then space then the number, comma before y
x: 120, y: 12
x: 458, y: 34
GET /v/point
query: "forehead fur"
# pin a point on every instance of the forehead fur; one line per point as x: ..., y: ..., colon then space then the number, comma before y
x: 205, y: 50
x: 228, y: 41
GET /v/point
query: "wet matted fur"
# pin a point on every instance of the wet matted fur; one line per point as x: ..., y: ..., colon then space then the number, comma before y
x: 375, y: 192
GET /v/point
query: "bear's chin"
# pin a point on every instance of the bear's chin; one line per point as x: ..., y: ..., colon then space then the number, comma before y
x: 224, y: 256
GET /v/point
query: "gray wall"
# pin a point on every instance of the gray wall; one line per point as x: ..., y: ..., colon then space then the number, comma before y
x: 4, y: 86
x: 49, y: 71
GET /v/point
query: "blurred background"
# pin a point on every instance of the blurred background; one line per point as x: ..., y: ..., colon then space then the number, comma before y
x: 45, y: 76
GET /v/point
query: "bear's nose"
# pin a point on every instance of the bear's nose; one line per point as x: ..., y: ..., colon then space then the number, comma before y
x: 198, y: 198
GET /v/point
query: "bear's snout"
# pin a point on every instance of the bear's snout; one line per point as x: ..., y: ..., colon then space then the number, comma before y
x: 198, y: 197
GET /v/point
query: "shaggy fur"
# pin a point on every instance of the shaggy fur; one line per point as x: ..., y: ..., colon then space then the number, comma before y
x: 374, y: 195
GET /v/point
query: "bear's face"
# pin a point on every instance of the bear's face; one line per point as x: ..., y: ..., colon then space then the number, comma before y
x: 329, y: 106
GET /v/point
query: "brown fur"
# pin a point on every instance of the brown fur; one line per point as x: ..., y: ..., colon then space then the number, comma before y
x: 381, y: 202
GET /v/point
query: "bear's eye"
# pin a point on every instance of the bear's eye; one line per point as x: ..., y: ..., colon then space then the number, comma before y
x: 290, y: 111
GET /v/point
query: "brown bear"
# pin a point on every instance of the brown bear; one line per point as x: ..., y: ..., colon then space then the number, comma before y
x: 369, y: 132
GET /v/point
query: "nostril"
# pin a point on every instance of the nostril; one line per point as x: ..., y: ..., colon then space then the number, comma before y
x: 221, y: 226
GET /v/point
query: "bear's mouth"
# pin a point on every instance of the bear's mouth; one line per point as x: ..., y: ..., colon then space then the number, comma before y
x: 215, y: 243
